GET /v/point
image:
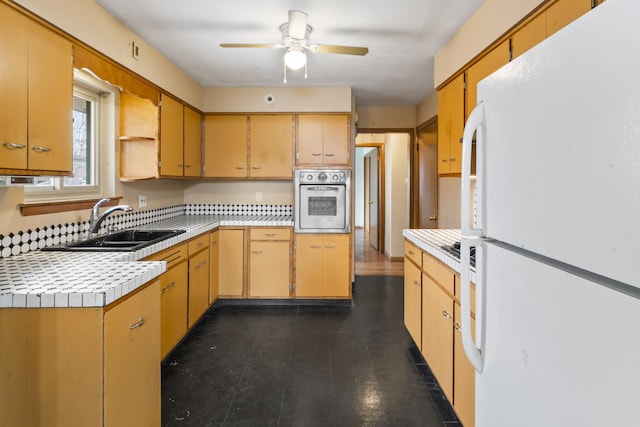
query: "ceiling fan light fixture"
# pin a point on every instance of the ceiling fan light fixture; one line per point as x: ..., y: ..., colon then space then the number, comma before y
x: 295, y: 59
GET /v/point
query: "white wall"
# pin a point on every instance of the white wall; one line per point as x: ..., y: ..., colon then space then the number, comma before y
x: 396, y: 192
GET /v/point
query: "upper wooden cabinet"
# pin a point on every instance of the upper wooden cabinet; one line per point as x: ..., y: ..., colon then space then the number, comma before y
x: 37, y: 65
x: 323, y: 139
x: 243, y: 146
x: 532, y: 33
x: 158, y: 141
x: 225, y: 146
x: 489, y: 63
x: 563, y: 12
x: 450, y: 126
x: 192, y: 142
x: 271, y: 146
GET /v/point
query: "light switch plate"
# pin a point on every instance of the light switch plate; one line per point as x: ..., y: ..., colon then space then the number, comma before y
x: 142, y: 200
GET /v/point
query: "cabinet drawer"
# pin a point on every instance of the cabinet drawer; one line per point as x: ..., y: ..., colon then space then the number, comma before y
x: 173, y: 256
x: 198, y: 244
x: 270, y: 234
x: 439, y: 272
x: 412, y: 252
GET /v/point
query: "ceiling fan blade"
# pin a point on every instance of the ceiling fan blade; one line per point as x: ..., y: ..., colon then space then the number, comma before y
x: 297, y: 24
x: 343, y: 50
x: 252, y: 45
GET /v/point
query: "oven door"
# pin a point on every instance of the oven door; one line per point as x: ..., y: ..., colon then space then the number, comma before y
x: 322, y: 208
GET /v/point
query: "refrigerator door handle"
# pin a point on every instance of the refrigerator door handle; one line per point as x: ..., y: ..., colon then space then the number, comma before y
x: 474, y: 123
x: 473, y: 352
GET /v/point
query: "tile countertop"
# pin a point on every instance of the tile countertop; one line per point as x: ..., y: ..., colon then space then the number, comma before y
x: 96, y: 279
x: 431, y: 241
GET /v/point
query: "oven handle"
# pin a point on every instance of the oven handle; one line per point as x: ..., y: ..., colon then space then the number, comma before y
x: 322, y: 188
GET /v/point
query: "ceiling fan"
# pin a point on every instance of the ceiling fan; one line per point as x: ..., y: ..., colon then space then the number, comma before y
x: 295, y: 37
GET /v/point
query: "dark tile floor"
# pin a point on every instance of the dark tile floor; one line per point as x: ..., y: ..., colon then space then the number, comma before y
x: 302, y: 365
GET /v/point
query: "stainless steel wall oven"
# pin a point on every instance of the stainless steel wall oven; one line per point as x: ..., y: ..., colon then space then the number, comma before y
x: 322, y: 201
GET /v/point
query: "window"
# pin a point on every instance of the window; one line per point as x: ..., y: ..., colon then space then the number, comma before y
x: 93, y: 129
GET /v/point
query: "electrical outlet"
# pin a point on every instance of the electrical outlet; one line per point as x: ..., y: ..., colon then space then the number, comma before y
x: 142, y: 200
x: 258, y: 196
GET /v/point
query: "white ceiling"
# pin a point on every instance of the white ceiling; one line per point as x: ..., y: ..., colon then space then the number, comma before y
x: 402, y: 36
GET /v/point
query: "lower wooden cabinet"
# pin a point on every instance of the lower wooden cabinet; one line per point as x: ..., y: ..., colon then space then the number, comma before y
x: 94, y: 366
x: 173, y: 298
x: 323, y: 265
x: 131, y: 361
x: 413, y: 301
x: 464, y: 379
x: 214, y: 279
x: 438, y: 329
x: 231, y: 263
x: 269, y: 262
x: 437, y: 333
x: 198, y: 284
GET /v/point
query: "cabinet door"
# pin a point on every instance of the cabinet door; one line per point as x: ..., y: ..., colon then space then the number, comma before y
x: 489, y: 63
x: 198, y: 286
x: 336, y: 281
x: 214, y: 251
x: 269, y: 266
x: 530, y: 35
x: 413, y: 301
x: 309, y: 141
x: 231, y: 263
x: 171, y: 137
x: 464, y: 376
x: 192, y: 142
x: 450, y: 126
x: 335, y: 138
x: 132, y: 360
x: 173, y: 307
x: 437, y: 334
x: 13, y: 365
x: 50, y: 123
x: 13, y: 87
x: 309, y: 269
x: 563, y: 12
x: 271, y: 146
x: 225, y: 146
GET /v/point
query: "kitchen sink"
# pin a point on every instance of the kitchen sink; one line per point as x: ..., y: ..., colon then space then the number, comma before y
x: 121, y: 241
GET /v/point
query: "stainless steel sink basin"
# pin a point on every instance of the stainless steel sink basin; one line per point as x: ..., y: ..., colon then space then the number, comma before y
x: 121, y: 241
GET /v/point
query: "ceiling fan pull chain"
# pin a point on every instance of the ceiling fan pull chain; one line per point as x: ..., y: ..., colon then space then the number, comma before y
x: 285, y: 71
x: 305, y: 70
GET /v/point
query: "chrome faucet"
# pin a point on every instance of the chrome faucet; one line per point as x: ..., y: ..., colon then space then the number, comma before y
x: 96, y: 220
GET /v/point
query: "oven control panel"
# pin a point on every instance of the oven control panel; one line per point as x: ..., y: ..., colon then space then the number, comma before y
x: 323, y: 177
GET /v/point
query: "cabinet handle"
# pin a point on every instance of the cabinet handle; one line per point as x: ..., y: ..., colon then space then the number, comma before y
x: 453, y: 159
x: 411, y: 253
x: 163, y: 290
x: 187, y: 166
x: 139, y: 323
x: 256, y: 167
x: 415, y: 282
x: 41, y: 149
x: 197, y: 267
x: 171, y: 285
x: 329, y: 155
x: 240, y: 168
x: 256, y: 252
x: 200, y: 244
x: 316, y: 247
x: 457, y: 327
x: 269, y: 234
x: 214, y: 242
x: 329, y: 246
x: 445, y: 314
x: 13, y: 145
x: 316, y: 154
x: 445, y: 160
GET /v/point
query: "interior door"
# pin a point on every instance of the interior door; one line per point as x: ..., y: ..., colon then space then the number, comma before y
x: 367, y: 167
x: 373, y: 204
x: 428, y: 176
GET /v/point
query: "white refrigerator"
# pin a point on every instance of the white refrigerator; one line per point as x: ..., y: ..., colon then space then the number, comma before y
x: 556, y: 226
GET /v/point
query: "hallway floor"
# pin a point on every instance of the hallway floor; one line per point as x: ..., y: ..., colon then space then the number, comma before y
x: 301, y: 365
